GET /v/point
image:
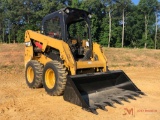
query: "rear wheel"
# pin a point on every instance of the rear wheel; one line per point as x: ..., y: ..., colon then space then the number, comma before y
x: 33, y: 74
x: 54, y: 78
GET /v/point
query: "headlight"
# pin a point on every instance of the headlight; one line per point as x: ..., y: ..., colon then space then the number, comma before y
x: 28, y: 44
x: 67, y: 10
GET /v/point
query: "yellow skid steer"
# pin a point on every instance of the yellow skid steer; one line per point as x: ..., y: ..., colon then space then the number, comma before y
x: 63, y: 59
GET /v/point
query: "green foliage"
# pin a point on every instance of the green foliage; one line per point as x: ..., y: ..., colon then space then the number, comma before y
x: 20, y: 15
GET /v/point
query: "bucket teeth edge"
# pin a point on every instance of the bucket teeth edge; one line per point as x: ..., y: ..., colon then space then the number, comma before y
x: 110, y: 102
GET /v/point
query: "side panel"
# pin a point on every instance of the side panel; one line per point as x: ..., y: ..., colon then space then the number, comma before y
x: 101, y: 57
x: 28, y: 50
x: 65, y: 53
x: 28, y: 54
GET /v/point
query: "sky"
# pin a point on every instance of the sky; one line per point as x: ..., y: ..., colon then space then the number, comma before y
x: 137, y: 1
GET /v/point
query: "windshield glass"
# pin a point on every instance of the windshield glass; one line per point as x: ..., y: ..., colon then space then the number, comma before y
x: 78, y: 30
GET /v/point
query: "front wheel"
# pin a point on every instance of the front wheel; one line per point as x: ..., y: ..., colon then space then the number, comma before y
x: 33, y: 74
x: 54, y: 78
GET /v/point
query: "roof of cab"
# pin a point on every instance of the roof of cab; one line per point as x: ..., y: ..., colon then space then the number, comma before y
x: 63, y: 10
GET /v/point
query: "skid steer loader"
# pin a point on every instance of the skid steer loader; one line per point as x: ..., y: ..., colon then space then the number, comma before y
x: 63, y: 59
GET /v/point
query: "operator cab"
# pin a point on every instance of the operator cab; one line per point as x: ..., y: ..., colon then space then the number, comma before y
x: 72, y: 26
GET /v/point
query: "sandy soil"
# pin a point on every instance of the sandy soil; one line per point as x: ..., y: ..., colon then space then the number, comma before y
x: 18, y: 102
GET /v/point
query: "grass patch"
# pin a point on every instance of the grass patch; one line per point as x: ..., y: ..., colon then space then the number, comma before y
x: 12, y: 57
x: 124, y: 57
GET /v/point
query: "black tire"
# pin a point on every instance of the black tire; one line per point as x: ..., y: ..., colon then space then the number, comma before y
x: 54, y: 78
x: 33, y: 74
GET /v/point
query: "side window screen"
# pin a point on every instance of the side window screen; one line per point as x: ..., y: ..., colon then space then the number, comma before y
x: 52, y: 28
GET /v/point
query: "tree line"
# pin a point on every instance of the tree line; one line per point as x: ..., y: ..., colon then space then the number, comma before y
x: 115, y: 23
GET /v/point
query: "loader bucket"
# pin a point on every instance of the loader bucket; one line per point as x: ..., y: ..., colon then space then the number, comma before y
x: 97, y: 90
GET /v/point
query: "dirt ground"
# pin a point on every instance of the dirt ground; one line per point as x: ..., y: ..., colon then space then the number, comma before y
x: 18, y: 102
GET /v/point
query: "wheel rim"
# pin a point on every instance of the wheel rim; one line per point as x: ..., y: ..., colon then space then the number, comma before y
x: 30, y: 74
x: 50, y: 78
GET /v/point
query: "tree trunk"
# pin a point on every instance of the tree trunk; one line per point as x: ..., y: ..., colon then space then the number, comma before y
x: 28, y: 19
x: 3, y: 34
x: 155, y: 38
x: 1, y: 37
x: 110, y: 29
x: 123, y: 29
x: 146, y: 26
x: 9, y: 37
